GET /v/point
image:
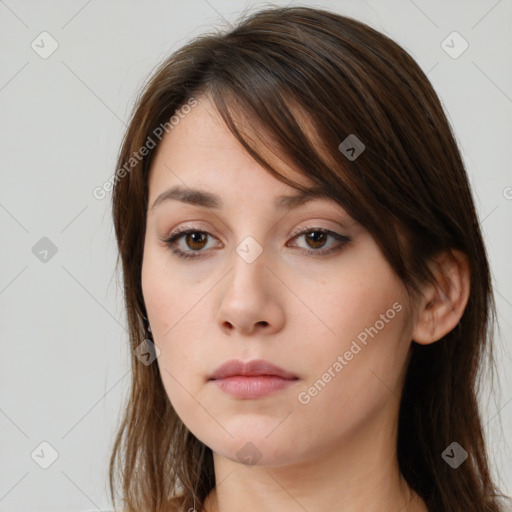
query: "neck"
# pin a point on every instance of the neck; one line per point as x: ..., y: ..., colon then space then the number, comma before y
x: 359, y: 473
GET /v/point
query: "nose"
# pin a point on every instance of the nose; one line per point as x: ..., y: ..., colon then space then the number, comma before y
x: 250, y: 299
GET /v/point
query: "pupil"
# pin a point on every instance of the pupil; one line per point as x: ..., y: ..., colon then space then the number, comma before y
x: 193, y: 237
x: 316, y: 238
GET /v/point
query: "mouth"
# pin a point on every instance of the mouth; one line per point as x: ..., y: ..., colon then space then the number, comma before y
x: 252, y: 379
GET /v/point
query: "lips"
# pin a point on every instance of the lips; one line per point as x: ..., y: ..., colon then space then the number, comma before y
x: 256, y: 367
x: 250, y: 380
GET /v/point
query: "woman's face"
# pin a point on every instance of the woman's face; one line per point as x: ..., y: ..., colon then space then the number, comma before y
x: 305, y: 288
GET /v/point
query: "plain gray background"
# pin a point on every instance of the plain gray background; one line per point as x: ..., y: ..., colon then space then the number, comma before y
x: 64, y: 363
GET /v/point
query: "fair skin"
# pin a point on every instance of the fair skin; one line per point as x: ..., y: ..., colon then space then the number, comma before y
x: 336, y: 450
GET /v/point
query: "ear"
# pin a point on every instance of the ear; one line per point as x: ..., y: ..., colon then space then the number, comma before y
x: 442, y: 306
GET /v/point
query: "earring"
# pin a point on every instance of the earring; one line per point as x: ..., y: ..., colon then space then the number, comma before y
x: 147, y: 327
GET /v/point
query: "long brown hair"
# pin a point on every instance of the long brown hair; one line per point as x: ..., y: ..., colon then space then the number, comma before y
x: 408, y: 187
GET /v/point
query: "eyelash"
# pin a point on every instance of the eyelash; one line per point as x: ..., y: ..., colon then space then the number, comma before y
x: 180, y: 233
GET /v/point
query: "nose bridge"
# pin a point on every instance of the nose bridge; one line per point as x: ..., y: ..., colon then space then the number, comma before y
x: 248, y: 298
x: 249, y: 250
x: 250, y: 267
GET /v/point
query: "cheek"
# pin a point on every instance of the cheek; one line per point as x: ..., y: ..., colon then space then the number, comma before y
x: 357, y: 360
x: 169, y: 296
x: 352, y: 298
x: 170, y: 307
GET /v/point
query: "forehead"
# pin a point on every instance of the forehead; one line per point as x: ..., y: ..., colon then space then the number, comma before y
x: 201, y: 150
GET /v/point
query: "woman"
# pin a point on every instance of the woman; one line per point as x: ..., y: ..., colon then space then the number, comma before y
x: 307, y: 288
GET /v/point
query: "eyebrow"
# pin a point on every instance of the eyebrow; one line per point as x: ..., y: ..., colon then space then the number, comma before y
x: 210, y: 200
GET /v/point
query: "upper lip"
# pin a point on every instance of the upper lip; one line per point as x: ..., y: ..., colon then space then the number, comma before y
x: 250, y: 368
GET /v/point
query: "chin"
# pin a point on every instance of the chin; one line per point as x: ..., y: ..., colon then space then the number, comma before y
x: 254, y: 449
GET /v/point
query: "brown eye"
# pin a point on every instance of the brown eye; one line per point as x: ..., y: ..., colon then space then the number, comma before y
x: 316, y: 239
x: 195, y: 240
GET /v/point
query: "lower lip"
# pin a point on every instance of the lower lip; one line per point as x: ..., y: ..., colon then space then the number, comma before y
x: 252, y: 387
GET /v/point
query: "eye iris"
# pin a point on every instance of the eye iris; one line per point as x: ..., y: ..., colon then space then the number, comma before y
x: 195, y: 240
x: 314, y: 237
x: 194, y: 237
